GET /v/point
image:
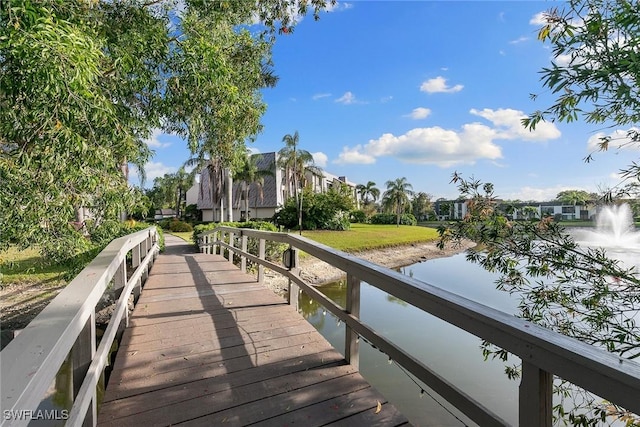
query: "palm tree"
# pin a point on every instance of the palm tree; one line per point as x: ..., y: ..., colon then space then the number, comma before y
x: 216, y: 177
x: 573, y: 197
x: 367, y: 190
x: 397, y: 196
x: 295, y: 162
x: 183, y: 181
x: 249, y: 174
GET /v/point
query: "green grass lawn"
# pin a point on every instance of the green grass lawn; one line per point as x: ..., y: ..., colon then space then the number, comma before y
x: 363, y: 237
x: 27, y: 265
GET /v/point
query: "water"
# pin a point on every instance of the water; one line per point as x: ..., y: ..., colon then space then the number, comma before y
x: 615, y: 232
x: 453, y: 353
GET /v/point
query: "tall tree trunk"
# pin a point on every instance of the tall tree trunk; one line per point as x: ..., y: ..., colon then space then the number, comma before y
x: 229, y: 193
x: 124, y: 167
x: 246, y: 202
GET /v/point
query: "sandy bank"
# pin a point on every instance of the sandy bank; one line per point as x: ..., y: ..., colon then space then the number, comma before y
x: 318, y: 272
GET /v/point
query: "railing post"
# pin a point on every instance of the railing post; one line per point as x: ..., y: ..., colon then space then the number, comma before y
x: 148, y: 244
x: 136, y: 259
x: 215, y: 248
x: 536, y: 393
x: 231, y: 238
x: 82, y: 353
x: 144, y: 250
x: 351, y: 345
x: 119, y: 282
x: 204, y: 244
x: 120, y: 279
x: 261, y: 255
x: 243, y: 259
x: 294, y: 289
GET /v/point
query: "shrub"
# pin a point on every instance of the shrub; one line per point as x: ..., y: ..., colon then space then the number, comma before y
x: 388, y: 218
x: 339, y: 222
x: 324, y: 211
x: 75, y: 254
x: 273, y: 250
x: 358, y: 216
x: 178, y: 226
x: 106, y: 231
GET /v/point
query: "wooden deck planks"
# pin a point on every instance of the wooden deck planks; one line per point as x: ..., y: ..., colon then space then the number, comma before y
x: 207, y: 345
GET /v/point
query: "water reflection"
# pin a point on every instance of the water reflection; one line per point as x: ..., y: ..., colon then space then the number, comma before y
x: 448, y: 350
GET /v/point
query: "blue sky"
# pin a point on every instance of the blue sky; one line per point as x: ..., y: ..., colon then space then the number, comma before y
x: 385, y: 89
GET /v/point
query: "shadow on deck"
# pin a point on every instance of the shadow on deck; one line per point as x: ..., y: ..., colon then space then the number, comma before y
x: 208, y: 345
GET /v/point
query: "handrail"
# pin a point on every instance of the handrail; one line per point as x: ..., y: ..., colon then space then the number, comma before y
x: 66, y: 328
x: 543, y: 352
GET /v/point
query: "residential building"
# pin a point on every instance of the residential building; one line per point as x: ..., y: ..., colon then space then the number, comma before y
x: 527, y: 210
x: 266, y: 199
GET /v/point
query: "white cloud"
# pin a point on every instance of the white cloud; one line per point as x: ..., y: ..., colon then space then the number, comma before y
x: 154, y: 140
x: 619, y: 140
x: 539, y: 19
x: 320, y: 159
x: 519, y: 40
x: 419, y: 113
x: 386, y: 99
x: 508, y: 123
x: 433, y: 145
x: 447, y: 147
x: 338, y: 6
x: 347, y: 99
x: 439, y: 85
x: 563, y: 59
x: 152, y: 170
x: 320, y: 96
x: 538, y: 194
x: 355, y: 155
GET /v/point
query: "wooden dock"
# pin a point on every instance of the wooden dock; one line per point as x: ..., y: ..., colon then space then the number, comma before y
x: 207, y: 345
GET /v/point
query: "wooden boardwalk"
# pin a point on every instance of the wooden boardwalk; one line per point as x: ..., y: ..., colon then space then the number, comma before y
x: 209, y: 346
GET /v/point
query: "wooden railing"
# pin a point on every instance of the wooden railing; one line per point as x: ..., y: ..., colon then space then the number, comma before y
x: 544, y: 353
x: 66, y: 331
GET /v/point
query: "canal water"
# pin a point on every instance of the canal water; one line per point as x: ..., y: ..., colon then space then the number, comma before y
x: 452, y: 352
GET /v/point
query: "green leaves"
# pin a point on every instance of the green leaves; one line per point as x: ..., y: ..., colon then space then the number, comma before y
x: 600, y: 82
x: 577, y: 291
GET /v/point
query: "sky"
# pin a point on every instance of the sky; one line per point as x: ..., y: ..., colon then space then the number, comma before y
x: 380, y: 90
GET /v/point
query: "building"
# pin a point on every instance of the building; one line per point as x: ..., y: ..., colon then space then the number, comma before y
x: 266, y: 199
x: 527, y: 210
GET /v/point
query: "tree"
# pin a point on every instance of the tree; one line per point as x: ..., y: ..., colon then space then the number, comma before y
x: 595, y: 74
x: 295, y: 163
x: 421, y: 205
x: 574, y: 197
x: 249, y: 175
x: 163, y: 192
x: 82, y: 84
x: 397, y: 196
x: 183, y: 181
x: 368, y: 190
x: 322, y: 211
x: 578, y: 291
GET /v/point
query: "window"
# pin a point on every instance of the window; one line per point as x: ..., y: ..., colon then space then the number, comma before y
x: 546, y: 210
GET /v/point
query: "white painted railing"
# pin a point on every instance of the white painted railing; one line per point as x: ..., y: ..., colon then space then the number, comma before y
x: 65, y: 330
x: 544, y: 353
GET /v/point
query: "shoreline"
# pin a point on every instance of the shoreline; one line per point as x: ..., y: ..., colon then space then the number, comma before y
x: 318, y: 273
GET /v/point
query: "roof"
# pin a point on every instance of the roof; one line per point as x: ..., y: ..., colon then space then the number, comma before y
x: 269, y: 188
